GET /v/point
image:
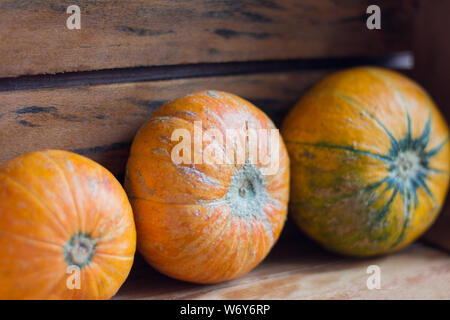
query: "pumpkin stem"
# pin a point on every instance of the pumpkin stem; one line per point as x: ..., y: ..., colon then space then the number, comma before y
x: 79, y: 250
x: 247, y: 192
x: 407, y: 165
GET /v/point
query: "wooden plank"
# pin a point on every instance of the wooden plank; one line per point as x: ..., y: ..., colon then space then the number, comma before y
x: 432, y: 70
x: 101, y: 121
x: 34, y: 38
x: 400, y: 61
x: 303, y: 271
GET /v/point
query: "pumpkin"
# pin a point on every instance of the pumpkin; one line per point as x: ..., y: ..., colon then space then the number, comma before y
x: 370, y: 161
x: 66, y: 228
x: 205, y: 221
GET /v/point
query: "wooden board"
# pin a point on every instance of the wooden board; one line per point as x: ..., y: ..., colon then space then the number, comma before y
x: 300, y: 270
x: 101, y: 121
x: 432, y: 70
x: 34, y: 38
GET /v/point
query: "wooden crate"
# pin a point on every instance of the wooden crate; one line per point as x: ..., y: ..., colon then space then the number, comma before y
x: 89, y: 91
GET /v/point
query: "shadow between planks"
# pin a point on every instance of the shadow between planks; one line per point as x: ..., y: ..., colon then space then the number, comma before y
x: 302, y: 270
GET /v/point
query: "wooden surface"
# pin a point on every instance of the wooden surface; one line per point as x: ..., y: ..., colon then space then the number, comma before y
x: 432, y: 70
x: 300, y: 270
x: 101, y: 121
x: 123, y: 34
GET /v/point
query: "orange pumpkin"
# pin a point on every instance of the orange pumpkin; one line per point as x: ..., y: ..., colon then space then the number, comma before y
x: 66, y: 228
x: 205, y: 222
x: 370, y: 161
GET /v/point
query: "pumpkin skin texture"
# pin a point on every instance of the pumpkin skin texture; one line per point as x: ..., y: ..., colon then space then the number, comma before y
x: 369, y: 160
x: 60, y: 211
x: 204, y: 223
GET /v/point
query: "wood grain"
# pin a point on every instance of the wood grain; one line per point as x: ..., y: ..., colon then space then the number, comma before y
x: 432, y: 70
x: 122, y: 34
x: 303, y: 271
x: 101, y: 121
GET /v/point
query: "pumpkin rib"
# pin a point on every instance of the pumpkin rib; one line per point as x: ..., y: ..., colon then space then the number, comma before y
x: 203, y: 247
x: 199, y: 175
x: 228, y: 270
x: 76, y: 195
x: 204, y: 128
x: 397, y: 94
x: 94, y: 226
x: 237, y: 240
x: 88, y: 273
x: 385, y: 209
x: 371, y: 115
x: 199, y: 249
x: 406, y: 214
x: 262, y: 239
x: 360, y: 106
x: 242, y: 223
x: 346, y: 148
x: 272, y: 177
x: 31, y: 240
x: 63, y: 176
x: 237, y: 254
x: 84, y: 285
x: 255, y: 240
x: 105, y: 239
x: 51, y: 289
x: 245, y: 264
x: 438, y: 171
x: 243, y: 268
x: 268, y: 227
x: 91, y: 279
x: 108, y: 238
x: 259, y: 240
x: 438, y: 148
x: 205, y: 102
x: 201, y: 201
x: 196, y: 248
x: 102, y: 270
x: 29, y: 277
x: 174, y: 117
x: 275, y: 202
x: 215, y: 263
x: 115, y: 256
x: 158, y: 199
x: 36, y: 199
x: 253, y: 243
